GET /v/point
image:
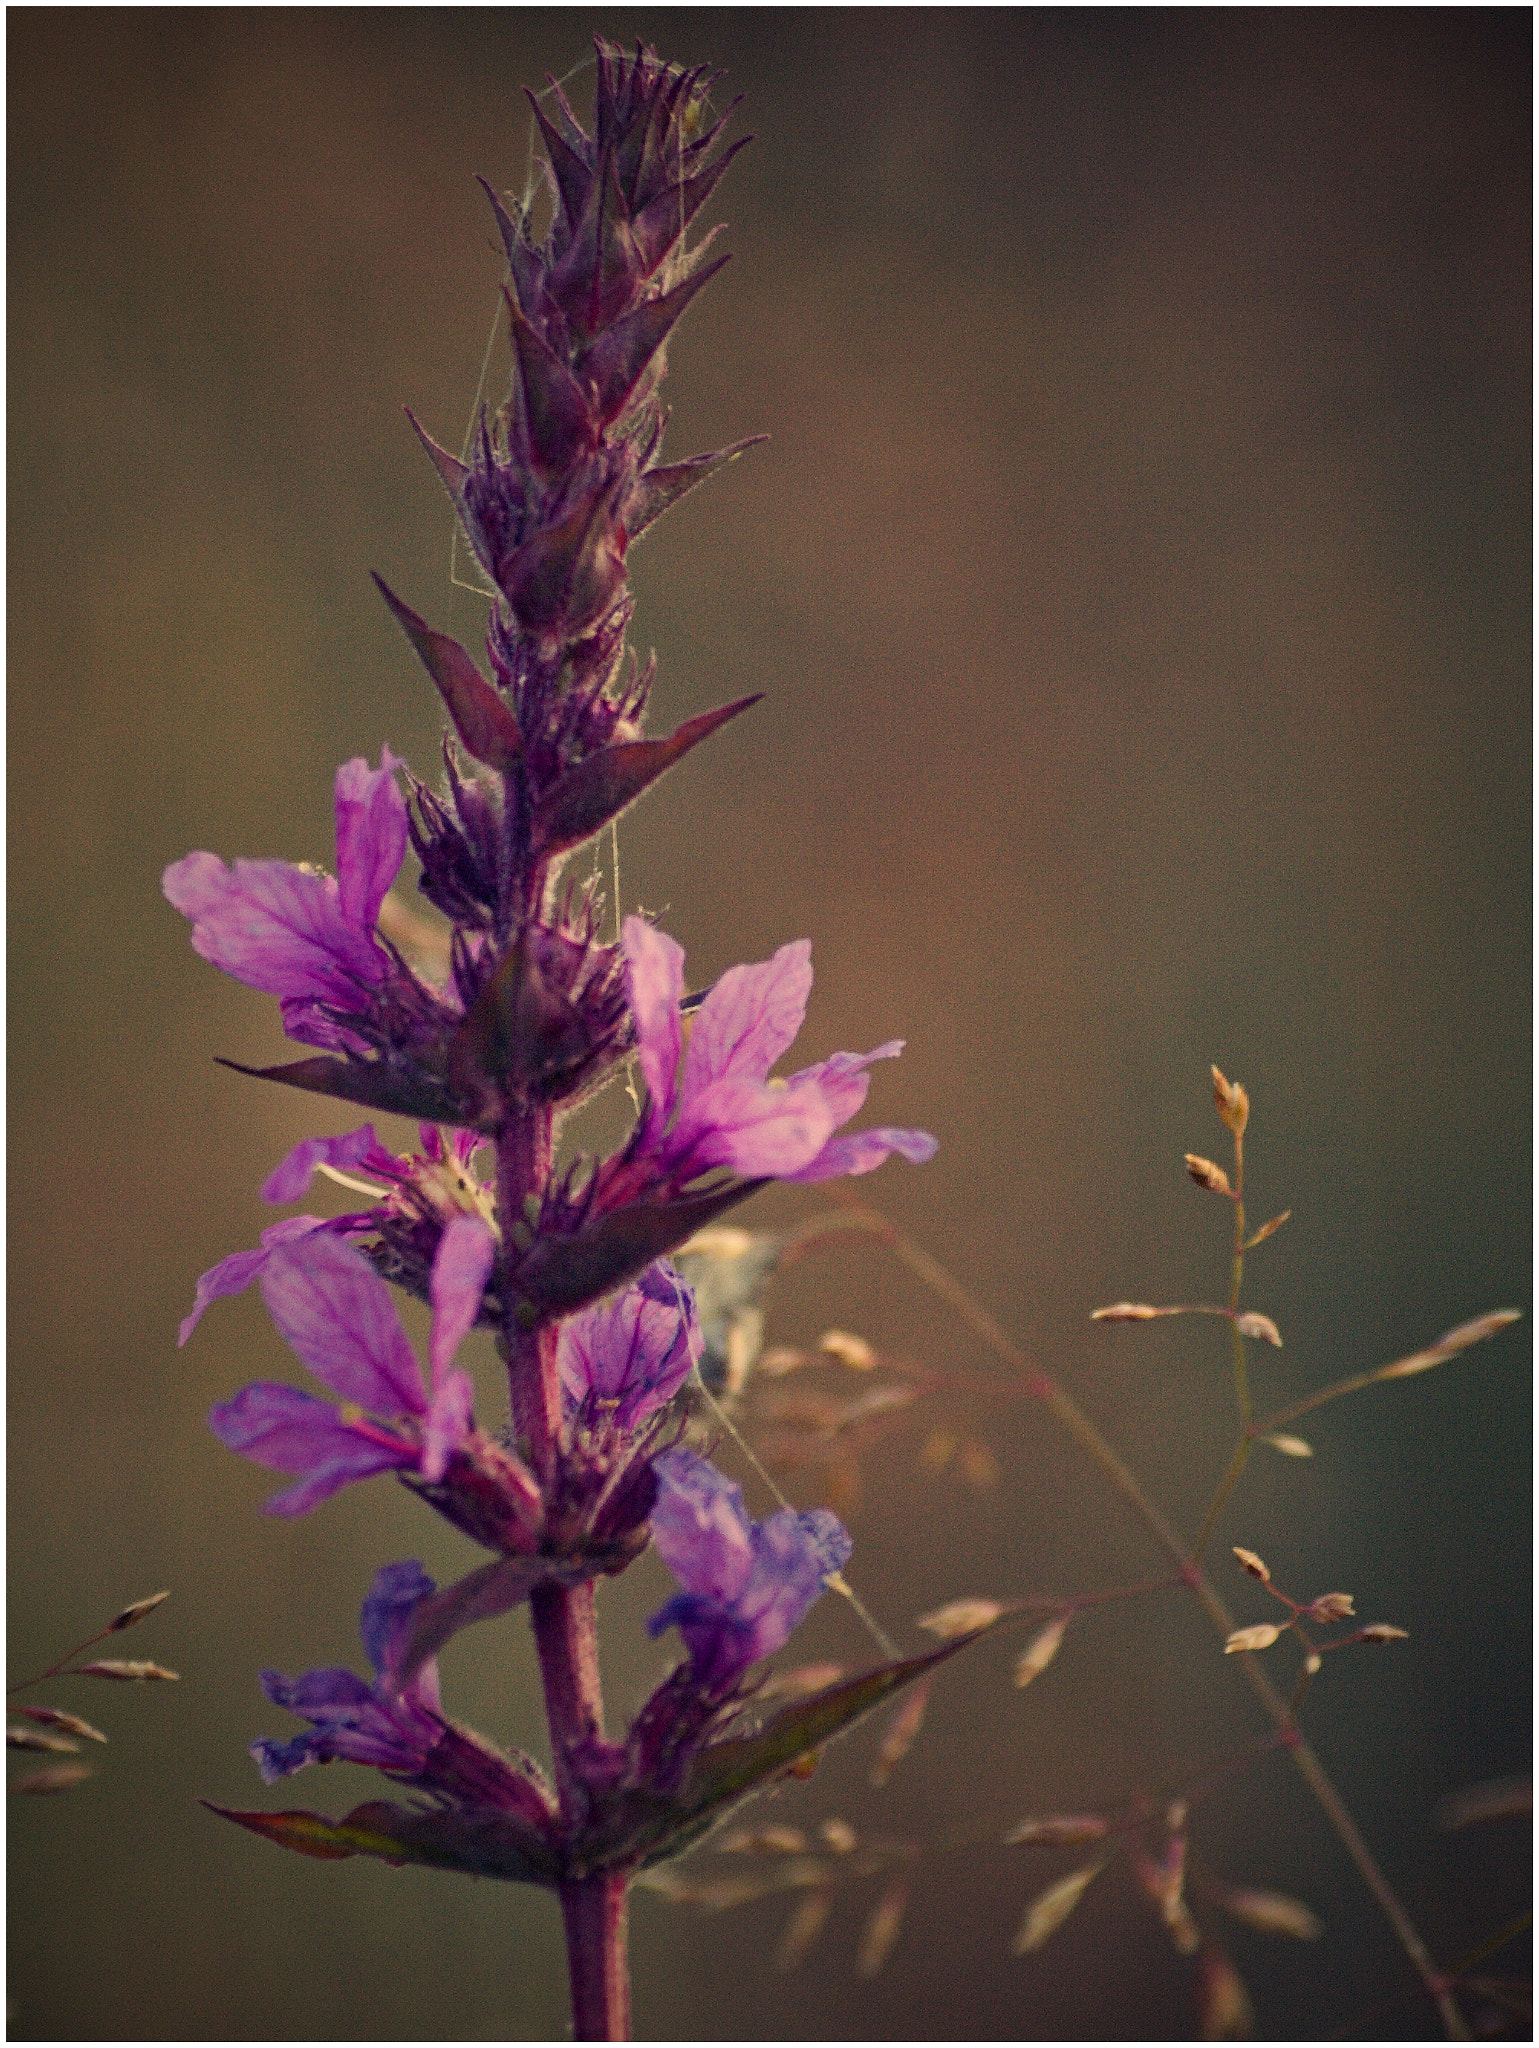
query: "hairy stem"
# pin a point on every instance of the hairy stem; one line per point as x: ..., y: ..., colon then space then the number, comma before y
x: 595, y: 1911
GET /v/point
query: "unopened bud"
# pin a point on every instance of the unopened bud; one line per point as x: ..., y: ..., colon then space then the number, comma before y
x: 1041, y: 1650
x: 1290, y: 1446
x: 1273, y: 1223
x: 35, y: 1738
x: 1048, y: 1910
x: 1381, y: 1632
x: 1232, y: 1101
x: 1312, y: 1663
x: 1253, y: 1564
x: 960, y: 1617
x: 1254, y: 1325
x: 52, y: 1778
x: 837, y: 1835
x: 1272, y: 1913
x: 123, y: 1668
x: 1060, y: 1828
x: 136, y: 1612
x: 1130, y: 1312
x: 854, y: 1352
x: 55, y: 1717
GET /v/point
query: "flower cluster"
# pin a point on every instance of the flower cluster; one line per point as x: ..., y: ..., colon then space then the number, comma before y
x: 598, y: 1332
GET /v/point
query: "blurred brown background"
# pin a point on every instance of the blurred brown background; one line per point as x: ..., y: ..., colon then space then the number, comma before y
x: 1138, y: 576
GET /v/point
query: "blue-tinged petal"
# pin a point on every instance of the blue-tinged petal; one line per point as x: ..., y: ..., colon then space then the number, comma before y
x: 334, y: 1310
x: 385, y: 1618
x: 321, y: 1484
x: 700, y: 1525
x: 863, y: 1150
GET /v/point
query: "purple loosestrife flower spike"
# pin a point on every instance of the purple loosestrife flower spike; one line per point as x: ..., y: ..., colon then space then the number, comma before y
x: 336, y: 1313
x: 629, y: 1354
x: 746, y: 1584
x: 298, y: 935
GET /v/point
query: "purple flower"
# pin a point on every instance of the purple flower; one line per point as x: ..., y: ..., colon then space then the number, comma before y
x: 629, y: 1354
x: 399, y: 1729
x: 746, y: 1584
x: 336, y: 1313
x: 711, y: 1103
x: 423, y: 1191
x: 364, y: 1724
x: 297, y: 934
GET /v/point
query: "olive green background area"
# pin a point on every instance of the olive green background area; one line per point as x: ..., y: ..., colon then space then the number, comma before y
x: 1138, y: 579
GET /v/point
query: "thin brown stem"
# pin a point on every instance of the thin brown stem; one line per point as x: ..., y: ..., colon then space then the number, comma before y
x: 1085, y: 1433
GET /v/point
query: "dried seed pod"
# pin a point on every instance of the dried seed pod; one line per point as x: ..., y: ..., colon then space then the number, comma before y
x: 1060, y: 1828
x: 1271, y: 1913
x: 881, y: 1930
x: 980, y: 1467
x: 123, y: 1668
x: 1048, y: 1910
x: 1261, y: 1637
x: 1380, y: 1632
x: 55, y: 1717
x: 35, y: 1738
x: 1227, y: 2013
x: 1253, y: 1325
x: 937, y: 1449
x: 960, y: 1617
x: 1329, y: 1607
x: 52, y: 1778
x: 1253, y: 1564
x: 1207, y: 1175
x: 803, y: 1928
x: 1451, y: 1344
x: 852, y: 1351
x: 800, y: 1682
x: 1041, y: 1650
x: 901, y: 1731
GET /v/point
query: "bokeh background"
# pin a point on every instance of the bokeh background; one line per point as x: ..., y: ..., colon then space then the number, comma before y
x: 1138, y: 575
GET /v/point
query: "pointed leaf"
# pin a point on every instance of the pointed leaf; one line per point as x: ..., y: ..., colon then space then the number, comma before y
x: 565, y: 1273
x: 656, y: 489
x: 599, y: 789
x: 451, y: 470
x: 725, y: 1771
x: 485, y: 1843
x: 487, y: 728
x: 572, y: 174
x: 555, y: 410
x: 614, y: 365
x: 371, y: 1083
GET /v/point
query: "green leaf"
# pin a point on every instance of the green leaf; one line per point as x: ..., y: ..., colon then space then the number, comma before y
x: 479, y: 1845
x: 727, y: 1771
x: 588, y: 796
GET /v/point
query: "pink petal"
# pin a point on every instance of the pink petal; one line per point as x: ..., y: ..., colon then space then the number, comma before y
x: 236, y: 1273
x: 654, y: 966
x: 749, y: 1019
x: 371, y: 835
x: 336, y: 1313
x: 466, y: 1253
x: 288, y: 1181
